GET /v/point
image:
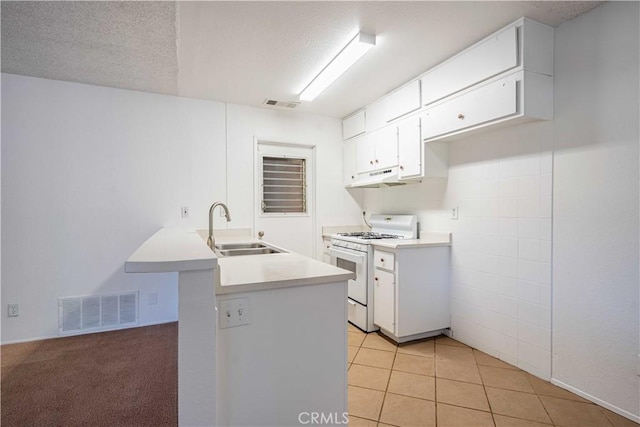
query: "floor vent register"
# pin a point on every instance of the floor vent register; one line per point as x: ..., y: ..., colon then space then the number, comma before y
x: 97, y: 312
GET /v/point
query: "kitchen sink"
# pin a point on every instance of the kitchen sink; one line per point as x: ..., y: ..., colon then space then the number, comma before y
x: 249, y: 251
x: 233, y: 246
x: 238, y: 249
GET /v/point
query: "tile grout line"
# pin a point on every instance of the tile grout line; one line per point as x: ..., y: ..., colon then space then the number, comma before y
x: 541, y: 403
x: 493, y: 418
x: 384, y: 397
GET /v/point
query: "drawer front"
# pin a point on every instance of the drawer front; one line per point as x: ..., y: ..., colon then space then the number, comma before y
x: 383, y: 259
x: 491, y: 102
x: 357, y: 314
x: 354, y: 125
x: 402, y: 101
x: 478, y: 63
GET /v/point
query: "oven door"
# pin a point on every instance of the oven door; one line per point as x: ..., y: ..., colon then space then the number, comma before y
x: 356, y: 262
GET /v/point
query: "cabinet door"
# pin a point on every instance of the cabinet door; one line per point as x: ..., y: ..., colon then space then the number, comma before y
x: 349, y: 170
x: 487, y: 103
x: 409, y: 148
x: 353, y: 125
x: 384, y: 300
x: 365, y: 153
x: 488, y: 58
x: 386, y: 143
x: 402, y: 101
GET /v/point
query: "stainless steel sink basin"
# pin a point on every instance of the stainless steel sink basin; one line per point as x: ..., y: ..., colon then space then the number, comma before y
x: 238, y: 249
x: 263, y: 250
x: 234, y: 246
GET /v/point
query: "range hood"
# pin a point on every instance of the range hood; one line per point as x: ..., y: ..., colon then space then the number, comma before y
x: 382, y: 178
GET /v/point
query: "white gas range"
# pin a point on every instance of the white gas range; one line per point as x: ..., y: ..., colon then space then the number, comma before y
x: 354, y: 252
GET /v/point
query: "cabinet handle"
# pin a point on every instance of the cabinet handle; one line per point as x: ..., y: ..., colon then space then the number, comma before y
x: 401, y: 167
x: 381, y: 259
x: 375, y: 278
x: 370, y: 162
x: 461, y: 116
x: 352, y: 177
x: 376, y: 160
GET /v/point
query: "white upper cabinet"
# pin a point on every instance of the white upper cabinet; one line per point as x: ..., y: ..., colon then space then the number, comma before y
x: 525, y: 43
x: 409, y: 148
x: 354, y: 125
x: 349, y: 171
x: 520, y: 95
x: 377, y: 150
x: 375, y: 115
x: 506, y: 78
x: 484, y: 60
x: 417, y: 159
x: 386, y: 140
x: 491, y: 102
x: 402, y: 101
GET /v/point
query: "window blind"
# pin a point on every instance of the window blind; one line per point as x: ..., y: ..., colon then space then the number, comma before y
x: 284, y: 185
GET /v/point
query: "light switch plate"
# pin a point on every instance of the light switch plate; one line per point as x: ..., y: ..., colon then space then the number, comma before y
x: 233, y: 312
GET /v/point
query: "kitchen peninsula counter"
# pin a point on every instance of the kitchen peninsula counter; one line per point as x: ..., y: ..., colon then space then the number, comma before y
x: 270, y: 271
x: 282, y: 322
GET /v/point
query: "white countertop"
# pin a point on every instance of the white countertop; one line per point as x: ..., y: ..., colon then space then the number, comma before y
x: 426, y: 240
x: 271, y: 271
x: 171, y: 249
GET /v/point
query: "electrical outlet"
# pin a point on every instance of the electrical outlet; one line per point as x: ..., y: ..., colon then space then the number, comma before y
x: 14, y: 310
x: 233, y: 312
x: 454, y: 212
x: 184, y: 212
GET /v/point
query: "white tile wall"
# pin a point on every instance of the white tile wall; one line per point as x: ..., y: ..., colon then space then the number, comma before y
x: 501, y: 182
x: 504, y: 230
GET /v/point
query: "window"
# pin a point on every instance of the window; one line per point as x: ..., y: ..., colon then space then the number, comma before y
x: 284, y: 185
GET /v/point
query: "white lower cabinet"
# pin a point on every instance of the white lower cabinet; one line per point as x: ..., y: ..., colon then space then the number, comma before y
x: 384, y: 299
x: 411, y: 294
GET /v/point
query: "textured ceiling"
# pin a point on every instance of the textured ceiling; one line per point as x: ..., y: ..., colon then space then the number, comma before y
x: 129, y: 45
x: 244, y: 52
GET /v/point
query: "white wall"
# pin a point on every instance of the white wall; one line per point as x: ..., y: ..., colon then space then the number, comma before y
x: 501, y: 271
x: 89, y: 173
x: 334, y: 205
x: 595, y: 230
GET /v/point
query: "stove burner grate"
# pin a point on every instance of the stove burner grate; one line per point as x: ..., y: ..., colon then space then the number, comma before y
x: 369, y: 235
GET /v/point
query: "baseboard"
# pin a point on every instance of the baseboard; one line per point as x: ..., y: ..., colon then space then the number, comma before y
x: 612, y: 408
x: 139, y: 325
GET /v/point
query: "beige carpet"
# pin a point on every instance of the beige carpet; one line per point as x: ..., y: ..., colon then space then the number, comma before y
x: 119, y: 378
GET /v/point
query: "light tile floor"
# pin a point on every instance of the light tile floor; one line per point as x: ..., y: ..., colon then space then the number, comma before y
x: 440, y: 381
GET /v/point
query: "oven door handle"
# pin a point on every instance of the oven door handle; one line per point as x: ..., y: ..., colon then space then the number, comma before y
x: 348, y: 256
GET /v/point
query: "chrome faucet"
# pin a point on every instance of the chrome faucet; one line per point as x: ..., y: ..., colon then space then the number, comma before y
x: 211, y: 241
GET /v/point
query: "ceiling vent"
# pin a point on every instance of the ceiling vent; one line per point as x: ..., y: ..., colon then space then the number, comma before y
x: 284, y: 104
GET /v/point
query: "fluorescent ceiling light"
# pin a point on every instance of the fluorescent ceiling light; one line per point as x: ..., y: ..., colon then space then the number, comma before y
x: 348, y: 56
